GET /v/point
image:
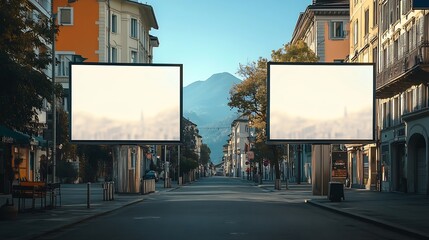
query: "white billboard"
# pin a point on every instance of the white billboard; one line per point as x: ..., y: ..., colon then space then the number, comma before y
x: 320, y: 102
x: 126, y: 103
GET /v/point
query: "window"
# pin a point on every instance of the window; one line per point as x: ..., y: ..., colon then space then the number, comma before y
x: 366, y: 30
x: 406, y: 6
x: 114, y: 23
x: 375, y: 13
x: 114, y: 54
x: 384, y: 19
x: 133, y: 57
x: 397, y: 10
x: 134, y: 28
x: 63, y: 61
x: 65, y: 16
x: 356, y: 31
x: 375, y: 57
x: 337, y: 30
x: 384, y: 62
x: 395, y: 49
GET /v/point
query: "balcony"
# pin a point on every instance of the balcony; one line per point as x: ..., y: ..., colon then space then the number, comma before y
x: 410, y: 70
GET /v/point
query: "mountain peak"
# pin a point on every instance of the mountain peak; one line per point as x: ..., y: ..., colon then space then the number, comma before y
x: 206, y: 104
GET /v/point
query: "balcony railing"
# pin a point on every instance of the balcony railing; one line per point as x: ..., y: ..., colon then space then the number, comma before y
x: 411, y: 69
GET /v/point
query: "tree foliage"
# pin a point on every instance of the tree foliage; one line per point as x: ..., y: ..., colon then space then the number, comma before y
x: 250, y: 96
x: 205, y: 154
x: 92, y: 159
x: 23, y: 59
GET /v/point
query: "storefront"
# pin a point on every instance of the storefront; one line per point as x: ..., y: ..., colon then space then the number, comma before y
x: 20, y: 157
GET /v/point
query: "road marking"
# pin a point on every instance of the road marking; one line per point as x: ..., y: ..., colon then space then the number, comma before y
x: 148, y: 217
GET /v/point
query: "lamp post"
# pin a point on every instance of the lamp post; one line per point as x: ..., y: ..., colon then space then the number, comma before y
x: 299, y: 148
x: 54, y: 105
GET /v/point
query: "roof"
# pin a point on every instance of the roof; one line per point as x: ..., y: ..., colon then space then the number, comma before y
x: 148, y: 11
x: 154, y: 41
x: 319, y: 7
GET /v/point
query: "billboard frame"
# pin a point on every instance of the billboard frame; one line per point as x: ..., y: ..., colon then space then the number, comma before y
x: 316, y: 140
x: 128, y: 142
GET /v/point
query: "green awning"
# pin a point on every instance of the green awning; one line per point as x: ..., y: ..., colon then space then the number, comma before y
x: 8, y: 135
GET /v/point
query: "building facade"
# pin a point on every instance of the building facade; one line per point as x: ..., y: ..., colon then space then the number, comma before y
x: 363, y: 165
x: 402, y: 93
x: 21, y: 154
x: 239, y: 163
x: 112, y: 31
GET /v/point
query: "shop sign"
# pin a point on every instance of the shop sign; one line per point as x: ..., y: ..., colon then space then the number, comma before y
x: 5, y: 139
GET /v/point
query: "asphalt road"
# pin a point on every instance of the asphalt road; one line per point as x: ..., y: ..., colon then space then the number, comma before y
x: 223, y: 208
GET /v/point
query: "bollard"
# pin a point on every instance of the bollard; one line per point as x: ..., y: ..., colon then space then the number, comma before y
x: 88, y: 193
x: 104, y: 191
x: 113, y: 190
x: 110, y: 191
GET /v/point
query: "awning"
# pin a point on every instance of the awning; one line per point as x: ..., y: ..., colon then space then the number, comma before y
x: 8, y: 135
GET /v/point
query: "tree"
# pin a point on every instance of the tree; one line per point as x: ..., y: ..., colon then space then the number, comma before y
x: 93, y: 159
x: 23, y: 57
x: 250, y: 96
x: 205, y: 154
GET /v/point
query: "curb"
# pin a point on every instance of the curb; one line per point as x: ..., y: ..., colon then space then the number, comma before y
x: 83, y: 219
x: 378, y: 222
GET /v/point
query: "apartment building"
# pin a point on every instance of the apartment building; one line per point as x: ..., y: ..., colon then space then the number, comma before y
x: 238, y: 148
x: 363, y: 163
x: 113, y: 31
x: 402, y: 93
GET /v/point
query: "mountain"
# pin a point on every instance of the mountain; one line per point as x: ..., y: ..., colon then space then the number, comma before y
x: 205, y: 103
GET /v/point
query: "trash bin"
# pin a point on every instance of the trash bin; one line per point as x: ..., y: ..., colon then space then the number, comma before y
x: 336, y: 191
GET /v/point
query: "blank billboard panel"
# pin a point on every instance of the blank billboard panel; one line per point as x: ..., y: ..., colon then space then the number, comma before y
x: 320, y: 103
x: 125, y: 103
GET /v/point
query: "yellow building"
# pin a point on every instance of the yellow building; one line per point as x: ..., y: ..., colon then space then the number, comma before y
x: 363, y: 162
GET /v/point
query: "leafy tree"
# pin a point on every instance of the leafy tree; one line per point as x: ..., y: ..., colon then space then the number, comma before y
x: 250, y: 96
x: 205, y: 154
x: 66, y: 171
x: 23, y: 57
x: 91, y: 158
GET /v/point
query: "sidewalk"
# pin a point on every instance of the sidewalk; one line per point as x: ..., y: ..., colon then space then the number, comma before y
x: 400, y: 212
x: 73, y: 210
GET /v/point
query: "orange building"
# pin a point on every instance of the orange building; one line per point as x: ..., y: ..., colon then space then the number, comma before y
x: 79, y: 28
x: 107, y: 31
x: 324, y: 26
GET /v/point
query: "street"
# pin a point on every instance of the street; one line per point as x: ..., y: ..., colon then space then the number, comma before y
x: 222, y: 208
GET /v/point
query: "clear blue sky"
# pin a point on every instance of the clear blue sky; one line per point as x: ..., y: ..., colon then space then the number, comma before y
x: 213, y: 36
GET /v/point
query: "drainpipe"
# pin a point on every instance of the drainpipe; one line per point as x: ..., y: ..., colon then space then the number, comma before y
x: 108, y: 30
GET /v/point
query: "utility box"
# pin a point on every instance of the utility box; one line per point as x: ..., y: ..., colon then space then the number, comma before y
x: 336, y: 191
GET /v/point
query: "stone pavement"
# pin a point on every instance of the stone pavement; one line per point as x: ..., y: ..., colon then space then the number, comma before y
x: 31, y: 224
x: 400, y: 212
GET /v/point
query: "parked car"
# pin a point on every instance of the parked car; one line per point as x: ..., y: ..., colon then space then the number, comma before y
x: 151, y: 175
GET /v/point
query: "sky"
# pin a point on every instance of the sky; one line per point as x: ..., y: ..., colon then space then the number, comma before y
x: 214, y: 36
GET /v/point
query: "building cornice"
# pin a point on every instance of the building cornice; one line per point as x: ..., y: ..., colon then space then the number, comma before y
x: 148, y: 11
